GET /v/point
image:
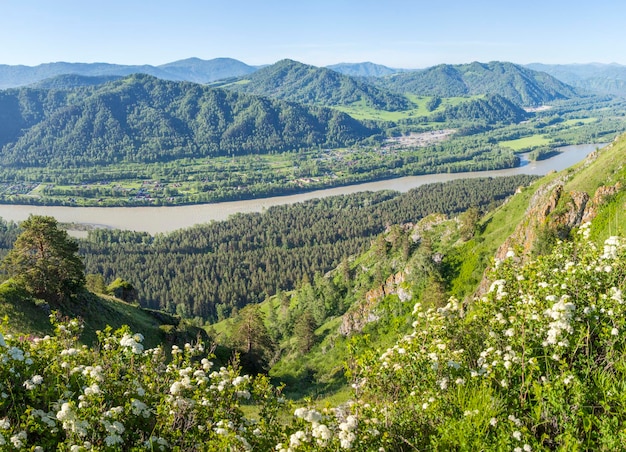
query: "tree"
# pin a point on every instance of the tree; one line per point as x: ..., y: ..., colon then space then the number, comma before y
x: 44, y: 260
x: 304, y: 331
x: 125, y: 291
x: 252, y: 339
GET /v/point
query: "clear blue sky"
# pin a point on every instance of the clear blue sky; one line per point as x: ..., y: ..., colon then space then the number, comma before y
x: 396, y: 33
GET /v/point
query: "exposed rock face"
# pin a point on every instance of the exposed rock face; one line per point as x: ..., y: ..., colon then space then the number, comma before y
x: 544, y: 210
x: 363, y: 313
x: 598, y: 199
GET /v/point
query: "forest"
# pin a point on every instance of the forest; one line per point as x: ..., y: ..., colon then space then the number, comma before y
x: 207, y: 271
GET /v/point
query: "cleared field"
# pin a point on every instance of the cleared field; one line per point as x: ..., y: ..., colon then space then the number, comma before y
x: 526, y: 142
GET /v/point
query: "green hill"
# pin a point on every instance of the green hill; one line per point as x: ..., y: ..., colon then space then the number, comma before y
x: 297, y: 82
x: 144, y: 119
x: 492, y: 110
x: 521, y: 85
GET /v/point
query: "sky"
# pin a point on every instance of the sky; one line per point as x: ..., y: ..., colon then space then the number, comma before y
x: 407, y: 34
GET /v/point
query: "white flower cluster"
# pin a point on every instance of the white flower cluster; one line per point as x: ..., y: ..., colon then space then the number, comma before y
x: 132, y: 342
x: 561, y: 314
x: 70, y: 420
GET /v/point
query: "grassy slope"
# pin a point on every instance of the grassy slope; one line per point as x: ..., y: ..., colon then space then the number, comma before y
x: 96, y: 311
x: 320, y: 372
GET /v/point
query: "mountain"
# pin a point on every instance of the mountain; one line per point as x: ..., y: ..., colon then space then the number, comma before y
x: 493, y: 109
x: 144, y: 119
x: 521, y: 85
x: 365, y: 69
x: 594, y: 77
x: 69, y: 81
x: 203, y: 71
x: 192, y: 69
x: 297, y: 82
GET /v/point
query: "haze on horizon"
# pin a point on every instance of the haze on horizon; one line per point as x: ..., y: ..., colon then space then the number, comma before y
x: 397, y: 33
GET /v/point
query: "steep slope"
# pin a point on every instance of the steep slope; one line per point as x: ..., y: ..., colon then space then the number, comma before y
x: 518, y: 84
x: 95, y: 312
x: 374, y: 293
x: 144, y: 119
x: 297, y: 82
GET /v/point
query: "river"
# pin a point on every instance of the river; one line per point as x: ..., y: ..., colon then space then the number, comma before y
x: 166, y: 219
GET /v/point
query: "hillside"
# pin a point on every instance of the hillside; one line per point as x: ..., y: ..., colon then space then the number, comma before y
x: 144, y: 119
x: 491, y: 110
x: 433, y: 344
x: 523, y: 86
x: 297, y: 82
x: 95, y: 312
x: 364, y: 301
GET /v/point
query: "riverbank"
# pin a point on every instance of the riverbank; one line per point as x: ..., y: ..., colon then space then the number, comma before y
x: 166, y: 219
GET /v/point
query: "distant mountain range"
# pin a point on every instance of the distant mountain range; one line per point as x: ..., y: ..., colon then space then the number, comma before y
x: 191, y: 70
x: 442, y: 80
x: 594, y: 77
x: 521, y: 85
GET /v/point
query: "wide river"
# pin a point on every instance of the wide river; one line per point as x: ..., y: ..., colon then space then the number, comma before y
x: 165, y: 219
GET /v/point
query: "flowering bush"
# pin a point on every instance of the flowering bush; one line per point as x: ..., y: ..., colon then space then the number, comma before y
x: 58, y: 395
x: 537, y: 363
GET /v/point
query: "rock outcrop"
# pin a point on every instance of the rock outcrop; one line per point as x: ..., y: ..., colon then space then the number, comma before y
x: 364, y: 312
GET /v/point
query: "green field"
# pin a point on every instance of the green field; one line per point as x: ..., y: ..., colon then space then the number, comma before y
x: 526, y: 143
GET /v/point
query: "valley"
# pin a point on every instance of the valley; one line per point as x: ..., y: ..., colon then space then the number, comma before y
x: 155, y: 220
x: 218, y: 256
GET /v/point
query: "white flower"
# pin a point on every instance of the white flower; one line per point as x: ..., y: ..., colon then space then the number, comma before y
x: 132, y: 342
x: 614, y: 332
x: 517, y: 435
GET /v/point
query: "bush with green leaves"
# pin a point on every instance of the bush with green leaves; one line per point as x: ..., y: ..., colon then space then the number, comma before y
x: 58, y: 395
x: 537, y: 363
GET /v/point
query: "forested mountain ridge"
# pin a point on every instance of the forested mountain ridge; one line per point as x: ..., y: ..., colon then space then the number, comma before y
x: 593, y: 77
x: 493, y: 109
x: 144, y: 119
x: 298, y: 82
x: 192, y: 70
x: 521, y: 85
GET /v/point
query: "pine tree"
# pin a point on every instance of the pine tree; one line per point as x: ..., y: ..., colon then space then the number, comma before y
x: 44, y: 260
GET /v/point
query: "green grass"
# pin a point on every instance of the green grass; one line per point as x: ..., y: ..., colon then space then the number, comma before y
x: 361, y: 111
x: 95, y: 311
x: 526, y: 143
